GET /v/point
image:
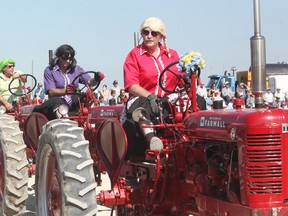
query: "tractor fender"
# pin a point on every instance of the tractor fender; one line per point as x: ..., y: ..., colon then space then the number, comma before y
x: 33, y: 128
x: 111, y: 142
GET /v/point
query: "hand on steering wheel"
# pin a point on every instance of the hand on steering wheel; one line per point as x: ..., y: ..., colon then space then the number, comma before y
x: 98, y: 76
x: 70, y: 89
x: 17, y: 84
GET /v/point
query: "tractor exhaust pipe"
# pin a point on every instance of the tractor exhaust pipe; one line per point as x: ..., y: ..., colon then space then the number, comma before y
x: 258, y: 59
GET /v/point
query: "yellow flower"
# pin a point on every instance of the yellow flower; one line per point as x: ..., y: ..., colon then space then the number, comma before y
x: 192, y: 53
x: 191, y: 62
x: 186, y: 59
x: 202, y: 63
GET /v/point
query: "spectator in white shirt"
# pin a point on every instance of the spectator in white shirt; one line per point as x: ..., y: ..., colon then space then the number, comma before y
x: 268, y: 97
x: 201, y: 90
x: 278, y: 94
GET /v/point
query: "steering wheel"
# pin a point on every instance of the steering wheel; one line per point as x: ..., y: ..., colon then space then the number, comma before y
x: 18, y: 88
x: 181, y: 80
x: 80, y: 75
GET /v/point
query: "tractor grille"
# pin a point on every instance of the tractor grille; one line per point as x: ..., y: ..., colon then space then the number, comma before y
x: 264, y: 164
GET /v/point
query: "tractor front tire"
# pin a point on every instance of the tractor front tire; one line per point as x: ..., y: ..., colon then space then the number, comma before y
x: 65, y: 182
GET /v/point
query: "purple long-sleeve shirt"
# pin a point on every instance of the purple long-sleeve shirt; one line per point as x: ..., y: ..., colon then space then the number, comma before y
x: 55, y: 78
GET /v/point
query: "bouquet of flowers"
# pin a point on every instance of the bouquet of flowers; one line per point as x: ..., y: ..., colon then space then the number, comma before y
x: 191, y: 62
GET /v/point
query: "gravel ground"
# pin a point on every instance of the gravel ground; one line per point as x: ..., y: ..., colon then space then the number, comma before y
x: 30, y: 204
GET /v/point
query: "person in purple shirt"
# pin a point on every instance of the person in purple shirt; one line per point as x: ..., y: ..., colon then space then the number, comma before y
x: 58, y: 77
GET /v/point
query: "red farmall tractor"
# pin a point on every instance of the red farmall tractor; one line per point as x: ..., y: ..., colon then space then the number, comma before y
x: 216, y: 162
x: 22, y: 126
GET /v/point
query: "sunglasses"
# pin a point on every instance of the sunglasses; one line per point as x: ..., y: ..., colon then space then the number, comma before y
x: 65, y: 58
x: 10, y: 66
x: 153, y: 33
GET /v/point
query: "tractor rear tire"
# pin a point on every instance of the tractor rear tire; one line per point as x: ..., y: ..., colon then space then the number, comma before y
x: 13, y: 168
x: 65, y: 182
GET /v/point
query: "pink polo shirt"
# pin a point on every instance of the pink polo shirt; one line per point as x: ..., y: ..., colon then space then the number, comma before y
x: 141, y: 68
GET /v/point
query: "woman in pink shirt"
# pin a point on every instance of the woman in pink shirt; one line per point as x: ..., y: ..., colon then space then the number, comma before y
x: 142, y: 68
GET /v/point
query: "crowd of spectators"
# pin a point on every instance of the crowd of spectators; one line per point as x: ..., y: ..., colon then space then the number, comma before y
x: 111, y: 96
x: 117, y: 95
x: 242, y: 92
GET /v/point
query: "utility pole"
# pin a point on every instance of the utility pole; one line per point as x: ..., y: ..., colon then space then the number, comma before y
x: 233, y: 69
x: 32, y: 67
x: 50, y: 55
x: 136, y: 39
x: 32, y: 72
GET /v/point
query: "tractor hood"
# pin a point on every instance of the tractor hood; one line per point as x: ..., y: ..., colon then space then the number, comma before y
x: 223, y: 124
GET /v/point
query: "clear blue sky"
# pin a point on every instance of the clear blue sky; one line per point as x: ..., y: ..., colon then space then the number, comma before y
x: 102, y: 32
